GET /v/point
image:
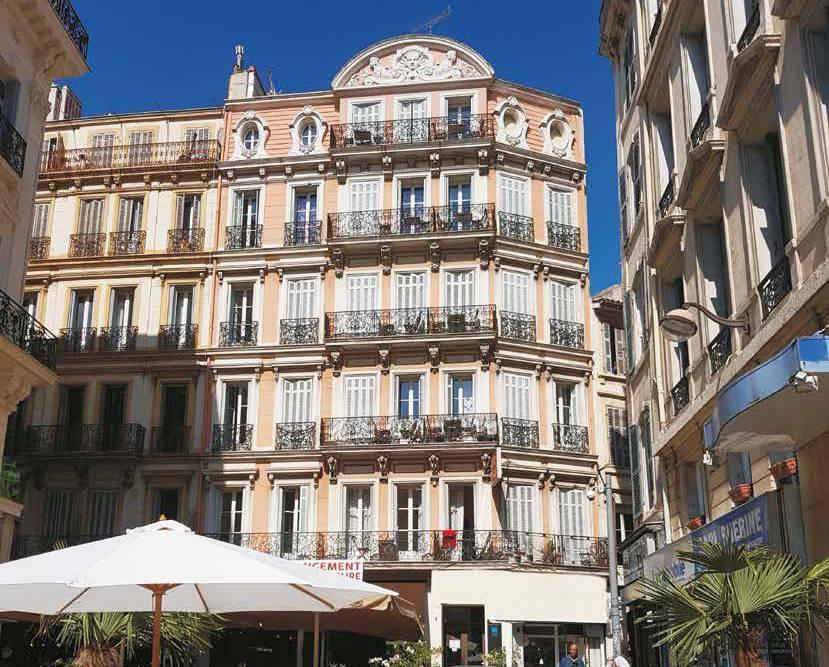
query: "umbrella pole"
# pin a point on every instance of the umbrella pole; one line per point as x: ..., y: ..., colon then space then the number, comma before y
x: 157, y: 595
x: 316, y: 661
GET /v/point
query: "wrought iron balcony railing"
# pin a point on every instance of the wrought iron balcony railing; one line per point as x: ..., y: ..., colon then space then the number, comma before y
x: 185, y: 240
x: 303, y: 232
x: 565, y: 237
x: 411, y: 131
x: 239, y: 237
x: 232, y: 437
x: 514, y: 226
x: 666, y: 201
x: 775, y: 286
x: 87, y: 245
x: 117, y: 339
x: 657, y: 23
x: 701, y: 125
x: 18, y: 326
x: 752, y: 26
x: 410, y: 322
x: 302, y: 331
x: 571, y: 438
x: 295, y: 436
x: 681, y: 395
x: 12, y: 145
x: 517, y: 326
x: 422, y: 429
x: 719, y: 349
x: 75, y: 341
x: 129, y: 156
x: 39, y: 248
x: 170, y: 439
x: 127, y: 243
x: 71, y: 438
x: 238, y: 334
x: 412, y: 222
x: 567, y: 334
x: 177, y: 336
x: 519, y: 433
x: 32, y: 545
x: 72, y: 24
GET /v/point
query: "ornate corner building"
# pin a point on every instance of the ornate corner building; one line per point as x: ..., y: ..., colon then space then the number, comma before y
x: 343, y: 325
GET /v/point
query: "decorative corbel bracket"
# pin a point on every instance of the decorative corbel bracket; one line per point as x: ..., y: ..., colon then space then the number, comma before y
x: 388, y: 167
x: 385, y: 259
x: 486, y: 356
x: 341, y: 171
x: 484, y: 254
x: 335, y: 360
x: 383, y: 468
x: 434, y: 468
x: 252, y: 477
x: 333, y: 468
x: 434, y: 358
x: 385, y: 360
x: 434, y: 256
x: 483, y: 161
x: 339, y: 261
x: 486, y: 466
x: 434, y: 164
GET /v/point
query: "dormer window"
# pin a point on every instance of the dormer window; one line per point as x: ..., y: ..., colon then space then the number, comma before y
x: 511, y: 123
x: 307, y: 132
x: 250, y: 135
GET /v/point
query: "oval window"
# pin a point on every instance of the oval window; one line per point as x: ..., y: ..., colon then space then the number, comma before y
x: 559, y: 136
x: 512, y: 123
x: 250, y: 138
x: 308, y: 135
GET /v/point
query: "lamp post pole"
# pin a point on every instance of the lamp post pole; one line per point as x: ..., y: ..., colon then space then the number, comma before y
x: 613, y: 571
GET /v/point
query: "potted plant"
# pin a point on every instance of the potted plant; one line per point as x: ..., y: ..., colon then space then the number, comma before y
x: 696, y: 522
x: 784, y: 469
x: 550, y: 554
x: 741, y: 493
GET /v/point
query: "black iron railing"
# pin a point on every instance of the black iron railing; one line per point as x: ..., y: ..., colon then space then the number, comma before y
x: 12, y: 145
x: 514, y: 226
x: 681, y: 395
x: 185, y: 240
x: 179, y: 154
x: 18, y: 326
x: 571, y: 438
x: 87, y: 245
x: 32, y: 545
x: 127, y: 243
x: 666, y: 201
x: 177, y: 336
x: 519, y: 433
x: 410, y: 131
x: 70, y: 438
x: 411, y: 222
x: 701, y: 125
x: 72, y: 24
x: 410, y: 322
x: 657, y: 22
x: 170, y: 439
x: 117, y: 339
x: 719, y: 349
x: 517, y: 326
x: 39, y: 248
x: 238, y: 334
x: 774, y: 287
x: 423, y: 429
x: 752, y: 26
x: 239, y: 237
x: 302, y: 331
x: 295, y: 436
x: 75, y: 341
x: 567, y: 334
x: 303, y: 232
x: 232, y: 437
x: 565, y: 237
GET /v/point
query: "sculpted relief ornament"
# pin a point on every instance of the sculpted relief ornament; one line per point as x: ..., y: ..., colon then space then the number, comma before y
x: 412, y: 64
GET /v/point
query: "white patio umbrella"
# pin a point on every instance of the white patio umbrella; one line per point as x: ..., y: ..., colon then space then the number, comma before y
x: 167, y: 565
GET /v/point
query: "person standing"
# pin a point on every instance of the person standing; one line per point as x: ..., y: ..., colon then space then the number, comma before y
x: 572, y: 658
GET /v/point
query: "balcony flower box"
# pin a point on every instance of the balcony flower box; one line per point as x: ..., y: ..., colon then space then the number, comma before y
x: 696, y: 522
x: 741, y: 493
x: 784, y: 469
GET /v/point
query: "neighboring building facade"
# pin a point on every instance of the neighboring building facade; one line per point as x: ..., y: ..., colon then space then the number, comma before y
x: 351, y: 324
x: 722, y: 131
x: 39, y: 42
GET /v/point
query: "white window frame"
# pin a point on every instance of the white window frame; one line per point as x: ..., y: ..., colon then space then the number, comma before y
x: 531, y: 291
x: 281, y: 399
x: 338, y: 389
x: 303, y: 184
x: 275, y: 505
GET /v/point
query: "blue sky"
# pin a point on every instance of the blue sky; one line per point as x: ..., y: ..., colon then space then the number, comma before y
x: 184, y: 58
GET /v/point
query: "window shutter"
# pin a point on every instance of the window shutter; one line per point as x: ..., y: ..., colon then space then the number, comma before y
x: 635, y: 470
x: 41, y: 224
x: 621, y: 351
x: 303, y: 509
x: 647, y: 450
x: 194, y: 221
x: 631, y: 362
x: 180, y: 211
x: 238, y: 204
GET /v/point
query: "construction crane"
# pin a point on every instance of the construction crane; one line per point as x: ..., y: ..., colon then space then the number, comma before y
x: 432, y: 22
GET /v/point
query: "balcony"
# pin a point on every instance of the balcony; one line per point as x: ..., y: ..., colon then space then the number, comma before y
x: 305, y: 232
x: 125, y: 157
x: 240, y: 237
x: 411, y: 131
x: 571, y: 438
x: 657, y: 23
x: 567, y: 334
x: 295, y: 436
x: 302, y: 331
x: 451, y: 320
x: 12, y: 145
x: 706, y: 148
x: 752, y: 26
x: 117, y: 339
x: 384, y: 223
x: 24, y: 331
x: 666, y: 201
x: 39, y: 248
x: 563, y: 237
x: 519, y: 433
x: 232, y: 438
x: 719, y: 349
x: 680, y: 395
x: 775, y: 286
x: 177, y: 336
x: 76, y: 341
x: 702, y: 125
x: 238, y: 334
x: 72, y: 24
x: 514, y: 226
x: 79, y: 438
x: 87, y: 245
x: 185, y: 240
x: 32, y: 545
x: 517, y: 326
x: 170, y: 439
x: 127, y: 243
x: 420, y: 430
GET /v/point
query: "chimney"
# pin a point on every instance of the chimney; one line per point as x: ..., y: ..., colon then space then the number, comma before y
x: 244, y: 82
x: 63, y: 103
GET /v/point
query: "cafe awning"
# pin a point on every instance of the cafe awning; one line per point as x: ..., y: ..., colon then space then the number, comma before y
x: 780, y: 405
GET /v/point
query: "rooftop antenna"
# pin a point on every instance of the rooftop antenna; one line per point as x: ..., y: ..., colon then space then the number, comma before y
x: 239, y: 52
x: 432, y: 22
x: 271, y: 88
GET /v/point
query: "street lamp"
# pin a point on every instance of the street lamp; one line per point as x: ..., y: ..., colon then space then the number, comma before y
x: 678, y: 324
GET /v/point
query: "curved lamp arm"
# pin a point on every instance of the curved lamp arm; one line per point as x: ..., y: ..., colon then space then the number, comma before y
x: 741, y: 323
